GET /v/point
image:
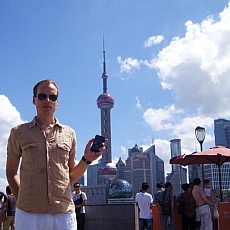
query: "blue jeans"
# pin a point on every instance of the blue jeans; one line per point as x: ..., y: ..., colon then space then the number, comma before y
x: 146, y: 224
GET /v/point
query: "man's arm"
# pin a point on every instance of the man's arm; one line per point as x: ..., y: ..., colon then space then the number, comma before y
x: 205, y: 198
x: 12, y: 176
x: 84, y: 203
x: 77, y: 171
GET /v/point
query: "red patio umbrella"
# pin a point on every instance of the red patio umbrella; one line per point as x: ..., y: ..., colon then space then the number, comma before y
x: 216, y: 155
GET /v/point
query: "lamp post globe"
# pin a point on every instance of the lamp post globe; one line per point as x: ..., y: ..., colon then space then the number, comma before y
x: 200, y: 136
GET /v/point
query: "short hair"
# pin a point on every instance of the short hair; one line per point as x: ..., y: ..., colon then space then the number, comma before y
x: 77, y: 184
x: 48, y: 81
x: 145, y: 186
x: 185, y: 186
x: 206, y: 181
x: 196, y: 181
x: 160, y: 185
x: 168, y: 184
x: 8, y: 190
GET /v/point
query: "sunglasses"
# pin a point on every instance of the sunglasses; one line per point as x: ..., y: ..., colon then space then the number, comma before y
x: 43, y: 96
x: 76, y: 186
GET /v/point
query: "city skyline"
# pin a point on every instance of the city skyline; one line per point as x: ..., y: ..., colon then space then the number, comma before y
x: 168, y: 69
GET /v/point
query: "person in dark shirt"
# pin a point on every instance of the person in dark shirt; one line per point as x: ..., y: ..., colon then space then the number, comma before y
x: 165, y: 197
x: 189, y: 216
x: 80, y: 201
x: 10, y: 209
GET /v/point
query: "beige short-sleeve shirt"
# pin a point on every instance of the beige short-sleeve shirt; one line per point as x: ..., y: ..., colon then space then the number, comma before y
x: 44, y: 169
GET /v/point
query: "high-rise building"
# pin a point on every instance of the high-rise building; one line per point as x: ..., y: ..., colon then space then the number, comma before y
x: 82, y: 180
x: 222, y: 137
x: 221, y: 132
x: 178, y: 176
x: 156, y: 168
x: 92, y: 178
x: 143, y: 166
x: 120, y: 169
x: 137, y: 168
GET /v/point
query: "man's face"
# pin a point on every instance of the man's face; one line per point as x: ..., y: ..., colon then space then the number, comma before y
x: 77, y: 187
x: 45, y: 99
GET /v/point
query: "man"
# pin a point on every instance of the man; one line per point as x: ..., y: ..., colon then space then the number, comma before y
x: 188, y: 215
x: 202, y: 203
x: 144, y: 201
x: 160, y: 187
x: 165, y: 197
x: 10, y: 210
x: 3, y: 206
x: 80, y: 201
x: 45, y: 150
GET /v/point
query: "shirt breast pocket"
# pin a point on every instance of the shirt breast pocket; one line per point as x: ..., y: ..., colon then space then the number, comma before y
x: 62, y: 154
x: 30, y: 152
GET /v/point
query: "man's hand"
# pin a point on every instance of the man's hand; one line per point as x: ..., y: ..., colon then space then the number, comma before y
x: 90, y: 155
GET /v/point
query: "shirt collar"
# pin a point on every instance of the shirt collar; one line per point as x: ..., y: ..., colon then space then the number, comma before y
x: 34, y: 123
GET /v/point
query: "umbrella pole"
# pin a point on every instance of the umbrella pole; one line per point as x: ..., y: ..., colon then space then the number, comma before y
x: 220, y: 182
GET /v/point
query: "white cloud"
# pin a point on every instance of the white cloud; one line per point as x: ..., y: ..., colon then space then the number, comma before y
x: 195, y: 67
x: 183, y: 129
x: 159, y: 119
x: 128, y: 64
x: 123, y: 150
x: 138, y: 104
x: 9, y: 117
x: 151, y: 41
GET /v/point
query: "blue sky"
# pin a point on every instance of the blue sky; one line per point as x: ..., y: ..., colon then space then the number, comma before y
x: 167, y: 61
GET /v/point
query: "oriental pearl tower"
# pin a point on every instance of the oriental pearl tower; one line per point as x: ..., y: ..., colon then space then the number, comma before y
x: 106, y: 171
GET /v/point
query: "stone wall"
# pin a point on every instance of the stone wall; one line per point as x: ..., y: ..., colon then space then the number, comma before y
x: 110, y: 217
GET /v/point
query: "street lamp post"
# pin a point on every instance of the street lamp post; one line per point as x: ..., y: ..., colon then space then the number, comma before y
x: 200, y: 136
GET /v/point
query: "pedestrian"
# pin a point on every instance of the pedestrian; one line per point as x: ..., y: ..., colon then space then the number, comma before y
x: 188, y: 215
x: 45, y: 151
x: 3, y: 206
x: 144, y: 201
x: 165, y: 199
x: 211, y: 195
x: 80, y: 201
x: 10, y: 209
x: 203, y: 203
x: 160, y: 187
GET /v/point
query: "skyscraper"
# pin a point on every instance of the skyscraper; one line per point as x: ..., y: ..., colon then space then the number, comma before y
x: 221, y: 132
x: 143, y: 166
x: 156, y: 167
x: 175, y: 146
x: 137, y: 169
x: 178, y: 175
x: 222, y: 137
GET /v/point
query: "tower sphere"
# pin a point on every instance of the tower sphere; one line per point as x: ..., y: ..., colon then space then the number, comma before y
x: 107, y: 171
x: 105, y: 101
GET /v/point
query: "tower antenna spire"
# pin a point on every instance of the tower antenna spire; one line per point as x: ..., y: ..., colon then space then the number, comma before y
x: 104, y: 63
x: 104, y: 74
